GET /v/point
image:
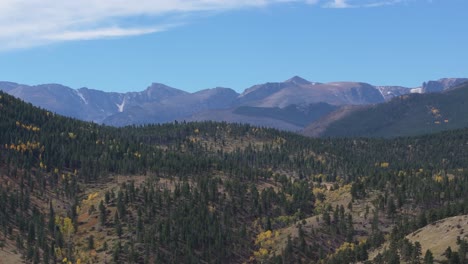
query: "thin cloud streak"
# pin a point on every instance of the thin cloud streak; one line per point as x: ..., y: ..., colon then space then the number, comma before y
x: 360, y: 4
x: 104, y: 33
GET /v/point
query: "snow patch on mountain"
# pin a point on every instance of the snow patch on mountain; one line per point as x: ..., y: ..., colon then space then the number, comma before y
x: 121, y: 106
x: 81, y: 96
x: 417, y: 90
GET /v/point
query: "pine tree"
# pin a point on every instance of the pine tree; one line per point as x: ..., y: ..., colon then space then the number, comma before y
x: 102, y: 214
x: 428, y: 257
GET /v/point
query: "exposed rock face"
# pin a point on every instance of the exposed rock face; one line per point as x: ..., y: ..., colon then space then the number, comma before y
x: 442, y: 84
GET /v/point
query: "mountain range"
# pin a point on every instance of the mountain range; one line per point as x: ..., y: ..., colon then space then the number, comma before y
x: 290, y: 105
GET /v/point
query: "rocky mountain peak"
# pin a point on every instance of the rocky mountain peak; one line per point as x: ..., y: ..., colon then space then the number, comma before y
x: 161, y: 91
x: 297, y: 80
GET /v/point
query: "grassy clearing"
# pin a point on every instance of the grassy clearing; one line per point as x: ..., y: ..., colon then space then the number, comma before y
x: 439, y: 235
x: 436, y: 236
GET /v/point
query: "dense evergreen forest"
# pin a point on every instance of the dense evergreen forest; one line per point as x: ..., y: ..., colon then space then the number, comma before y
x: 207, y: 192
x: 407, y: 115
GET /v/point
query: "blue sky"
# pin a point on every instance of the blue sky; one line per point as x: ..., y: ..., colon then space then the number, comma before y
x: 124, y: 45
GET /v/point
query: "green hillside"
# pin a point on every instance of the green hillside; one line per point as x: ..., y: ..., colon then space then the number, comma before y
x: 77, y: 192
x: 407, y: 115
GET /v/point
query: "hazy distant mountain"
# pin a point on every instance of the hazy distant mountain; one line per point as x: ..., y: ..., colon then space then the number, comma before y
x: 261, y: 91
x: 407, y: 115
x: 301, y: 92
x: 297, y: 115
x: 292, y: 117
x: 289, y: 105
x: 158, y: 103
x: 179, y: 106
x: 229, y: 115
x: 442, y: 84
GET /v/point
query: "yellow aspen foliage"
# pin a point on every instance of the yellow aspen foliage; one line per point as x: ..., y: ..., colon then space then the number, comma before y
x: 65, y: 226
x: 346, y: 246
x: 91, y: 196
x: 196, y: 131
x: 264, y: 240
x: 263, y: 236
x: 262, y: 252
x: 58, y: 252
x: 28, y: 146
x: 362, y: 241
x: 384, y: 164
x: 71, y: 135
x: 28, y: 127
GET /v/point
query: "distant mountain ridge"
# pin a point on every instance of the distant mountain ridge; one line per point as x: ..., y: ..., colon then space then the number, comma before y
x: 288, y: 105
x: 406, y: 115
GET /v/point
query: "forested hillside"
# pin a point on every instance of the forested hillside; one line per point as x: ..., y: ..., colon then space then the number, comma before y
x: 78, y: 192
x: 405, y: 115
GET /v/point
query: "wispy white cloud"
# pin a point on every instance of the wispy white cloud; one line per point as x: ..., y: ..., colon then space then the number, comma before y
x: 360, y: 3
x: 338, y: 4
x: 101, y: 33
x: 383, y: 3
x: 37, y: 22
